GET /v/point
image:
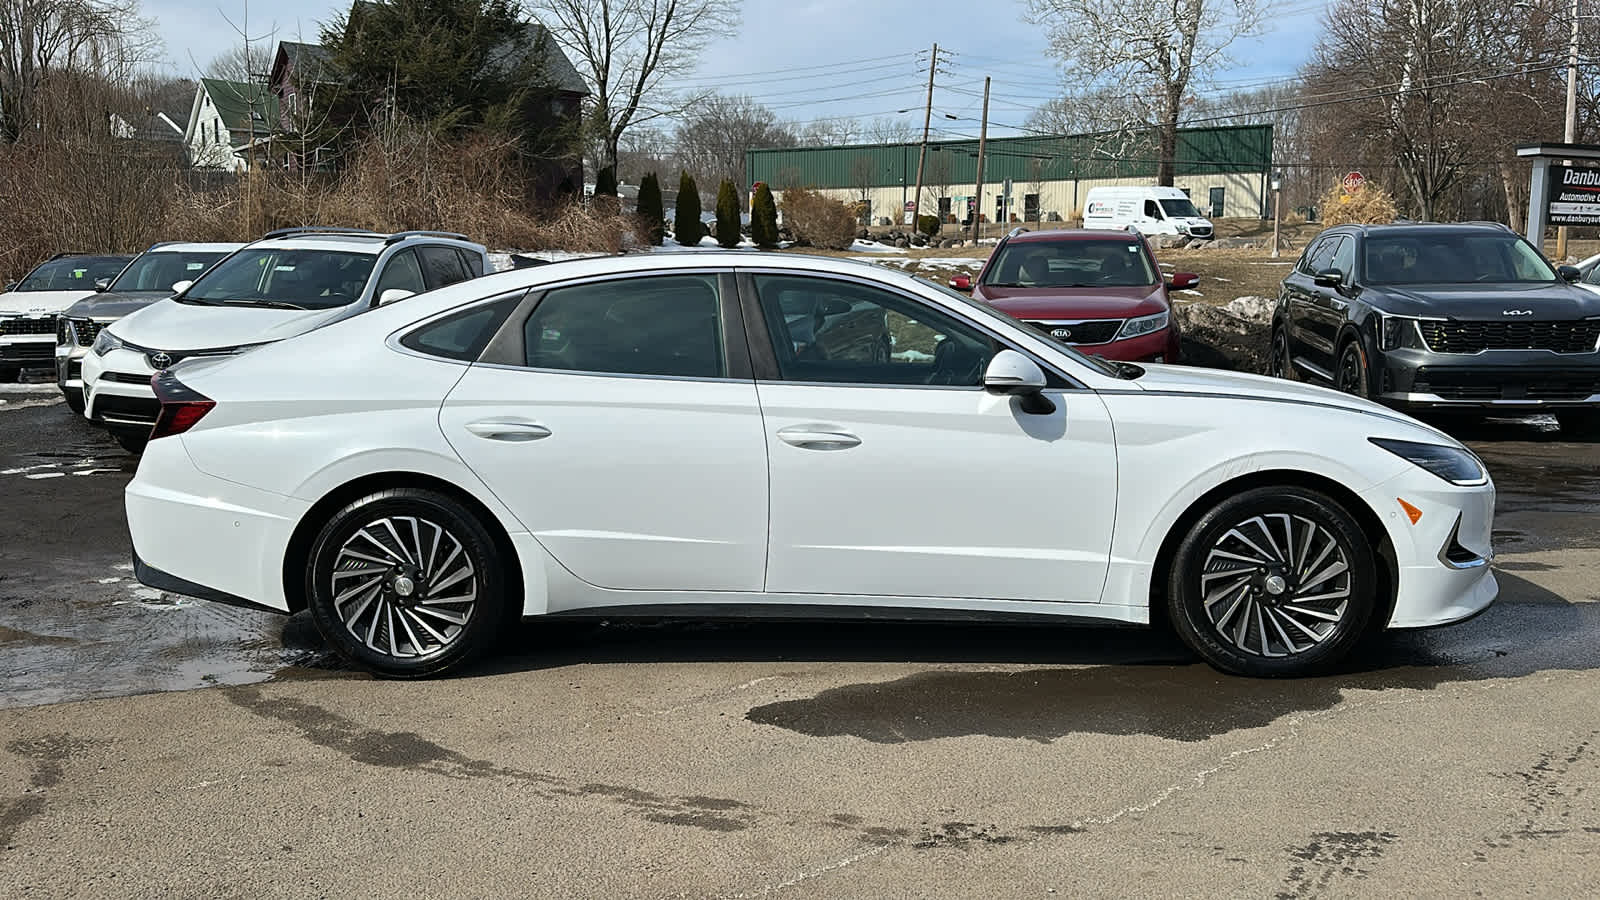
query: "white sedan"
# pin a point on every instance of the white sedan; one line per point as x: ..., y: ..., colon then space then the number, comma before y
x: 649, y: 434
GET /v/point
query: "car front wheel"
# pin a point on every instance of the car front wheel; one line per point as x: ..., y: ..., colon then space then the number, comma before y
x: 1352, y: 374
x: 1281, y: 366
x: 1273, y: 582
x: 407, y: 583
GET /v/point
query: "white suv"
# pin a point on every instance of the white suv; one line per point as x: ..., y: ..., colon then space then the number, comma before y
x: 28, y: 307
x: 290, y: 282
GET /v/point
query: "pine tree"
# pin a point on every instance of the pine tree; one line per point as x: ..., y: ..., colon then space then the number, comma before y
x: 764, y: 218
x: 728, y: 215
x: 650, y: 210
x: 686, y: 225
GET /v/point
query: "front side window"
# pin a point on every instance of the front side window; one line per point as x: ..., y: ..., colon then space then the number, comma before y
x: 73, y: 273
x: 1320, y: 256
x: 402, y: 272
x: 1071, y: 264
x: 159, y: 270
x: 651, y: 325
x: 283, y: 277
x: 1344, y: 258
x: 1182, y: 208
x: 1152, y: 210
x: 1459, y: 258
x: 826, y: 330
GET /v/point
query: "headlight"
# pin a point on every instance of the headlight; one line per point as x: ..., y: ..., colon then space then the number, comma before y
x: 105, y: 342
x: 1142, y: 325
x: 1453, y: 464
x: 1396, y: 331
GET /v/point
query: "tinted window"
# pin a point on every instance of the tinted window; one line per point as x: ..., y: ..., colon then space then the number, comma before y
x: 159, y: 270
x: 838, y: 331
x: 1071, y: 263
x: 1180, y: 209
x: 443, y: 265
x: 401, y: 273
x: 309, y: 279
x: 473, y: 262
x: 1344, y: 258
x: 1320, y: 255
x: 1152, y: 210
x: 462, y: 335
x: 1454, y: 258
x: 654, y: 325
x: 73, y: 273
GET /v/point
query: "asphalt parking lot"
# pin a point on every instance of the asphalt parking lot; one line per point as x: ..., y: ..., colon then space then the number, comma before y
x: 155, y: 746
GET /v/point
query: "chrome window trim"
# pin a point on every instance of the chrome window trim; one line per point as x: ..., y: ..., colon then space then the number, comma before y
x: 722, y: 379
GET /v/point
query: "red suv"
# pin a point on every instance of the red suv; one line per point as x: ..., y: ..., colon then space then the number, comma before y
x: 1097, y: 290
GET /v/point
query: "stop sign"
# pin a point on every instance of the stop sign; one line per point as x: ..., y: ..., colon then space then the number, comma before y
x: 1353, y: 182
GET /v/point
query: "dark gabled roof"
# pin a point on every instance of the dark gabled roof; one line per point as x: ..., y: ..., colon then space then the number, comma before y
x: 244, y: 107
x: 152, y: 127
x: 311, y: 62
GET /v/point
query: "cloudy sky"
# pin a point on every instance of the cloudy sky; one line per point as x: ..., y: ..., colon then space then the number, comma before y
x: 811, y: 59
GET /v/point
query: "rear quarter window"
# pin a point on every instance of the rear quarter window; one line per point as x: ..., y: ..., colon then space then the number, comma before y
x: 462, y: 336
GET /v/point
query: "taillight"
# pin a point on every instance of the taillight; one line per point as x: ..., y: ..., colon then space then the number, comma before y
x: 181, y: 405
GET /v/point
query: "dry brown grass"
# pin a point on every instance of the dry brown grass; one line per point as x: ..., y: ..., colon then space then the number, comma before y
x: 1371, y: 205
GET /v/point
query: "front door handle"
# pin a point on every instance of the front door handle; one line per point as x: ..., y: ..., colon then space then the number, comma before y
x: 818, y: 437
x: 512, y: 432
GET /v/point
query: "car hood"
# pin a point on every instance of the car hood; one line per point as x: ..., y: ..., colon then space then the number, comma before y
x: 111, y: 305
x: 1074, y: 303
x: 39, y: 301
x: 1547, y: 301
x: 170, y: 325
x: 1218, y: 382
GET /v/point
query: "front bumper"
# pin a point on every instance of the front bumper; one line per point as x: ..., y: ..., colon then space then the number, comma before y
x: 69, y: 367
x: 1155, y: 347
x: 1444, y: 559
x: 1492, y: 379
x: 27, y: 349
x: 117, y: 392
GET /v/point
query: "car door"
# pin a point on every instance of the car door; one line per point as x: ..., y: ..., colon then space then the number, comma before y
x: 619, y: 422
x: 902, y: 476
x: 1329, y: 309
x: 1305, y: 342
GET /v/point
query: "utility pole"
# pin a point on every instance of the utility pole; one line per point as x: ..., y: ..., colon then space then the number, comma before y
x: 922, y: 155
x: 1572, y: 118
x: 983, y: 138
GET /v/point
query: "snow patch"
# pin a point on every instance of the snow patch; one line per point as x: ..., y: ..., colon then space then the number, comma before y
x: 41, y: 475
x: 860, y: 246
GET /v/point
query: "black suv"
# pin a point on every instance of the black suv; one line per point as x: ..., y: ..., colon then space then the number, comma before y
x: 1426, y: 316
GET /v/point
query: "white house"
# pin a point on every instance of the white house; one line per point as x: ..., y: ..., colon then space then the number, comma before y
x: 226, y: 122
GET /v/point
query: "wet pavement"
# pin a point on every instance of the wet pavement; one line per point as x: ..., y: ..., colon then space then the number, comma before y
x: 753, y: 759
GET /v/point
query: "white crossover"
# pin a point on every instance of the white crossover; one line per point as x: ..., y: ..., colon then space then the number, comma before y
x: 288, y: 283
x: 28, y: 308
x: 646, y: 435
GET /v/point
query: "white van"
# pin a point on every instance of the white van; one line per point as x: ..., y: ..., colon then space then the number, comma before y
x: 1150, y: 210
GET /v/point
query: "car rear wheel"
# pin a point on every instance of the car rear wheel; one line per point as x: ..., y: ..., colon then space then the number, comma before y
x: 1351, y: 377
x: 407, y: 583
x: 1281, y: 365
x: 1581, y: 424
x: 1273, y: 582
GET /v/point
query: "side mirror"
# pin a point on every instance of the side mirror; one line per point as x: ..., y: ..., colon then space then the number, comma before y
x: 961, y: 282
x: 10, y: 286
x: 1328, y: 278
x: 101, y: 284
x: 1569, y: 274
x: 1013, y: 374
x: 179, y: 287
x: 1182, y: 281
x: 393, y: 294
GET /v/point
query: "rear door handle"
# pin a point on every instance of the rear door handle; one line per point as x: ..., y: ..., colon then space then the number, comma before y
x: 509, y: 431
x: 818, y: 437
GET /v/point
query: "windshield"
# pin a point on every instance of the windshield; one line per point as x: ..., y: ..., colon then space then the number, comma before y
x: 159, y: 270
x: 1181, y: 208
x: 1071, y: 264
x: 1459, y: 258
x: 287, y: 278
x: 73, y: 273
x: 1097, y: 363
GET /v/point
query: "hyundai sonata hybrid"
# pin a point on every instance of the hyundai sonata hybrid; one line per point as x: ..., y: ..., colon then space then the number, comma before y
x: 657, y: 435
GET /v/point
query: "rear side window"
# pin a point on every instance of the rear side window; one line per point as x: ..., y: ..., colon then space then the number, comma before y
x: 473, y: 262
x: 443, y: 266
x: 462, y: 336
x: 653, y: 325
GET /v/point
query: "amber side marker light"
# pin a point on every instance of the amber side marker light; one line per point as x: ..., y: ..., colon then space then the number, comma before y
x: 1412, y: 512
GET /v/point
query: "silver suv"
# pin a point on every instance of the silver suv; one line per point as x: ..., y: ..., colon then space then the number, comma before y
x: 288, y: 283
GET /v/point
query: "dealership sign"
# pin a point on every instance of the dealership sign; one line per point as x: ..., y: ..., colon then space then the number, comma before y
x: 1574, y: 196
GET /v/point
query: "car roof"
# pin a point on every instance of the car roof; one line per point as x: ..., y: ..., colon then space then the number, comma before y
x: 194, y: 247
x: 357, y: 242
x: 1422, y: 228
x: 1074, y: 234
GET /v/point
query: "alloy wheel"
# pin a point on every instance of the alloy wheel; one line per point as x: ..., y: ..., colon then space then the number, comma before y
x: 1276, y: 585
x: 404, y: 586
x: 1350, y: 376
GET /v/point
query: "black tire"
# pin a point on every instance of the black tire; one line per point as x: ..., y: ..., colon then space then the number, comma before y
x: 1580, y: 424
x: 1281, y: 365
x: 1350, y: 374
x: 9, y: 374
x: 74, y: 400
x: 133, y: 443
x: 409, y: 651
x: 1214, y: 631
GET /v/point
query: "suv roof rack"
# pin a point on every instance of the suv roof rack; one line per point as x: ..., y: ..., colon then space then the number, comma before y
x: 403, y: 235
x: 318, y: 229
x: 1500, y: 225
x: 67, y: 254
x: 1015, y: 231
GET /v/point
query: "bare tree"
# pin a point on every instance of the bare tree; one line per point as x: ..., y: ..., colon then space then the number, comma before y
x: 1153, y: 51
x: 888, y: 130
x: 45, y: 39
x: 937, y: 175
x: 629, y: 50
x: 247, y: 61
x: 828, y: 132
x: 712, y: 141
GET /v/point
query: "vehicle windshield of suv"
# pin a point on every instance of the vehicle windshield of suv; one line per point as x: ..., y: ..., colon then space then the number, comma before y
x: 1180, y: 209
x: 285, y: 279
x: 1459, y: 258
x: 73, y: 273
x: 159, y: 270
x: 1071, y: 264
